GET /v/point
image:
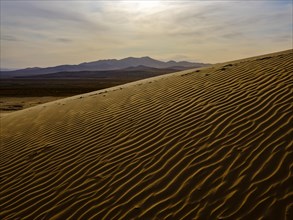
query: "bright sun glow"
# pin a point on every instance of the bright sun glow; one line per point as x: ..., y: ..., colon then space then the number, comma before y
x: 142, y: 5
x: 148, y: 4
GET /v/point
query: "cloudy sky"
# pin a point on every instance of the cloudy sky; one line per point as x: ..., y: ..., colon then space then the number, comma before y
x: 47, y: 33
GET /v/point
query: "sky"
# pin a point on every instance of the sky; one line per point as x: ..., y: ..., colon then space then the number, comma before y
x: 49, y: 33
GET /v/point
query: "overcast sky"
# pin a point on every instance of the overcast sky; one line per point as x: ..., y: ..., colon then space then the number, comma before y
x: 48, y: 33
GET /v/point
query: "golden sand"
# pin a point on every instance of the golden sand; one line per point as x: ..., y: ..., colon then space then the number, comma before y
x: 214, y: 143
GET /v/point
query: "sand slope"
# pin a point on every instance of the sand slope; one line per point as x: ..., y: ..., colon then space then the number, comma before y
x: 209, y: 144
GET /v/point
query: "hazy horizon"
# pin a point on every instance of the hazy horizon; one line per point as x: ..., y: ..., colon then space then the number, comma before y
x: 89, y: 61
x: 51, y: 33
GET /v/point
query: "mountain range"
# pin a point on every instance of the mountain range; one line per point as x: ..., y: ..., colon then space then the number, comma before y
x: 102, y: 65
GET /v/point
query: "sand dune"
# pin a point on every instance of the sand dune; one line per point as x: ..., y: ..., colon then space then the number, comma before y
x: 214, y: 143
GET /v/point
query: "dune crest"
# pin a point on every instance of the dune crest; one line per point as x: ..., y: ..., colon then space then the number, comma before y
x: 214, y: 143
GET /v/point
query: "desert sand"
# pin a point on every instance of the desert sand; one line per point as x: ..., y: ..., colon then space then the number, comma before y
x: 11, y: 104
x: 20, y: 92
x: 213, y: 143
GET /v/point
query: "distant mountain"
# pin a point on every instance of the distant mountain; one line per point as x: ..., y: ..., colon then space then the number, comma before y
x: 6, y: 69
x: 140, y: 72
x: 102, y: 65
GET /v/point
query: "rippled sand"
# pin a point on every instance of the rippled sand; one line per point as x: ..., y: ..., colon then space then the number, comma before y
x: 214, y: 143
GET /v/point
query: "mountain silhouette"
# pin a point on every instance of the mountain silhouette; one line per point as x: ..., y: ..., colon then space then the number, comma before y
x: 100, y: 65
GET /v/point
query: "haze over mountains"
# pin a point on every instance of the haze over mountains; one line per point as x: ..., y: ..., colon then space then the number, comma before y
x: 102, y: 65
x: 6, y: 69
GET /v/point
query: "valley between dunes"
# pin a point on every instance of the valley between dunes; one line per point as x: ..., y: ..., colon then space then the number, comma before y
x: 209, y: 143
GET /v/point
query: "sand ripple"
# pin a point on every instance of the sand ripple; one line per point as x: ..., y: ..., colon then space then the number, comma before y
x: 209, y: 144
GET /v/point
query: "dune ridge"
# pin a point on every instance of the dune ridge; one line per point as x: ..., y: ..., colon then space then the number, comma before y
x: 209, y: 143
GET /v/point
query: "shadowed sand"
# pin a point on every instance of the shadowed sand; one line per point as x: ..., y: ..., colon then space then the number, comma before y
x: 214, y: 143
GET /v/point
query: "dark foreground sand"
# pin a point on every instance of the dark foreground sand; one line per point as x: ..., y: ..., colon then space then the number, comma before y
x: 209, y: 144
